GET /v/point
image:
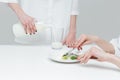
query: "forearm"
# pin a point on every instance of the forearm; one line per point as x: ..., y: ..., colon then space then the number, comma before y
x: 106, y: 46
x: 26, y: 20
x: 73, y: 24
x: 16, y: 8
x: 114, y: 60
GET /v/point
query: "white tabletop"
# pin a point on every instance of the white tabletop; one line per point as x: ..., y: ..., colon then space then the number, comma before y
x: 32, y: 63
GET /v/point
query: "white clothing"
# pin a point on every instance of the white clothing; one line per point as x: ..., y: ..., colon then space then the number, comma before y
x: 56, y: 12
x: 53, y: 12
x: 116, y: 43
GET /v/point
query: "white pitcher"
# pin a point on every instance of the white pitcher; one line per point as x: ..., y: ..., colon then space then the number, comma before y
x: 43, y: 34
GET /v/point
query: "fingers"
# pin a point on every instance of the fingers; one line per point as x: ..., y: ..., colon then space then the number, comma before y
x: 30, y: 28
x: 34, y: 27
x: 33, y: 24
x: 86, y: 43
x: 80, y: 42
x: 80, y: 56
x: 70, y: 44
x: 69, y: 41
x: 84, y: 58
x: 93, y: 53
x: 28, y: 23
x: 29, y: 31
x: 87, y: 58
x: 79, y: 48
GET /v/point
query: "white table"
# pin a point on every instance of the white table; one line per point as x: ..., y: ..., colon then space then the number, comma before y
x: 32, y: 63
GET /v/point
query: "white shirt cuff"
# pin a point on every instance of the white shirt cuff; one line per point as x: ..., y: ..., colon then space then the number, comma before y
x: 115, y: 44
x: 8, y: 1
x: 74, y: 13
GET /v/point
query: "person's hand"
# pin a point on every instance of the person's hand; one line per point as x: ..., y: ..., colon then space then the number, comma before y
x: 94, y: 53
x: 84, y: 40
x: 28, y: 23
x: 70, y: 39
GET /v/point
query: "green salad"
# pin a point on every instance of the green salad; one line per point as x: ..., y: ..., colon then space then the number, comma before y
x: 69, y: 56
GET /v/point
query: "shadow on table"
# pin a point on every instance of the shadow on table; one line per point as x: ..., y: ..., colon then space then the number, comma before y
x: 63, y: 62
x: 19, y: 44
x: 100, y: 67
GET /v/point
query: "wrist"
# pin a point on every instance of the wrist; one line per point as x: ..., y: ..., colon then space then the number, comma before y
x: 72, y: 32
x: 96, y: 39
x: 111, y: 58
x: 114, y: 60
x: 20, y: 13
x: 16, y: 8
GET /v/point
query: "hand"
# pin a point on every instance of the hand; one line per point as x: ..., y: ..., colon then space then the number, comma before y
x: 84, y: 40
x: 95, y: 53
x: 70, y: 39
x: 28, y: 23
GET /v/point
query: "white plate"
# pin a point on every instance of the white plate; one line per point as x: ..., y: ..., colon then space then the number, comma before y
x: 56, y: 55
x: 59, y: 59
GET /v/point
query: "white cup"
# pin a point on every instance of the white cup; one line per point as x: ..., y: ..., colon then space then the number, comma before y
x: 57, y: 37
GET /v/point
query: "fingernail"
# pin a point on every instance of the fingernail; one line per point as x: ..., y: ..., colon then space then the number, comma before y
x: 26, y: 33
x: 36, y: 31
x: 30, y: 34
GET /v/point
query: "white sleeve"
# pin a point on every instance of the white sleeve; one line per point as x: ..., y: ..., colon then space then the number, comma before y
x: 75, y: 7
x: 116, y: 44
x: 9, y: 1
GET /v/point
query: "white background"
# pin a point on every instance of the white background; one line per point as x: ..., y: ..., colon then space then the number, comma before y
x: 98, y: 17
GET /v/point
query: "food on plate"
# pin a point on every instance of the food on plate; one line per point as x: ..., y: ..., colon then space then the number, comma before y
x: 73, y: 57
x: 64, y: 57
x: 70, y: 56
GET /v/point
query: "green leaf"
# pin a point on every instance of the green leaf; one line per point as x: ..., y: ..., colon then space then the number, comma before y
x: 74, y: 57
